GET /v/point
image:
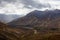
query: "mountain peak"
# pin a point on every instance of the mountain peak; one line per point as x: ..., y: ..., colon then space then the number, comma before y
x: 35, y: 13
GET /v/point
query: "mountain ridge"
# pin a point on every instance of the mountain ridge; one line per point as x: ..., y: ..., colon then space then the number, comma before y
x: 48, y: 19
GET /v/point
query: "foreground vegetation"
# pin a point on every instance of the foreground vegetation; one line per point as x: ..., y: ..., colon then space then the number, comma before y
x: 19, y: 34
x: 8, y: 33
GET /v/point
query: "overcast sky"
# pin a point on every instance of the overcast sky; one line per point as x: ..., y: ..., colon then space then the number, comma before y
x: 26, y: 6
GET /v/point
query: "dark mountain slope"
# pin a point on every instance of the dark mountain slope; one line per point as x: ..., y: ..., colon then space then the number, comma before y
x: 39, y: 19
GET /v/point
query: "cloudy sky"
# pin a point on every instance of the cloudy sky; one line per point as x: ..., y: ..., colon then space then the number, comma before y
x: 25, y: 6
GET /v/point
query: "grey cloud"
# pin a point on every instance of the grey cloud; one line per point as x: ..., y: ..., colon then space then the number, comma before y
x: 8, y: 0
x: 28, y: 7
x: 2, y: 4
x: 32, y: 3
x: 56, y: 0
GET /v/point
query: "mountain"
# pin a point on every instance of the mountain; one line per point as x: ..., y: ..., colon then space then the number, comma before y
x: 12, y: 33
x: 40, y: 20
x: 7, y: 18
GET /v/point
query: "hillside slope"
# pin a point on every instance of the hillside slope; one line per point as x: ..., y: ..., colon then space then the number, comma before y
x: 10, y: 33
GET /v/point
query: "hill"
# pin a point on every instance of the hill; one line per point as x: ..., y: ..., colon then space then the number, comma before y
x: 8, y: 33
